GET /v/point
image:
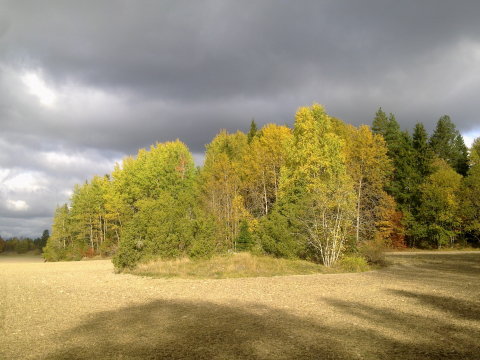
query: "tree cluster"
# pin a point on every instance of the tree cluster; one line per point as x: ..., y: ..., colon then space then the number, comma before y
x: 435, y: 182
x: 22, y: 245
x: 312, y: 192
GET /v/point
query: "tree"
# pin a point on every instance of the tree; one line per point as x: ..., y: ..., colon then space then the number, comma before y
x: 159, y: 188
x: 22, y: 246
x: 2, y: 244
x: 424, y: 155
x: 447, y: 143
x: 440, y: 204
x: 401, y: 152
x: 41, y: 242
x: 253, y: 131
x: 316, y: 165
x: 474, y: 158
x: 369, y: 167
x: 380, y: 123
x: 221, y: 186
x: 471, y: 193
x: 260, y: 168
x: 61, y: 235
x: 244, y: 238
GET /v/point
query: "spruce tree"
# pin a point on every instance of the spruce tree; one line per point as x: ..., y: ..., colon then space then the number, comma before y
x: 447, y: 143
x: 460, y: 161
x: 244, y: 239
x: 380, y: 122
x: 423, y: 153
x: 253, y: 131
x: 401, y: 152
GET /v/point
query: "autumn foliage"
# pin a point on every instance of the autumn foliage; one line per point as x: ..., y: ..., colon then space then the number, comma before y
x: 312, y: 192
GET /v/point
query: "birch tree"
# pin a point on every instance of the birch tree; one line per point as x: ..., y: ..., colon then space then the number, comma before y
x: 316, y: 164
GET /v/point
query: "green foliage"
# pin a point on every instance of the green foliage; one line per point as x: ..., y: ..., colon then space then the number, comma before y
x: 380, y: 123
x: 470, y: 197
x: 244, y: 241
x: 402, y: 154
x: 448, y: 144
x: 313, y: 192
x: 424, y: 155
x: 2, y: 244
x: 440, y: 204
x: 277, y: 231
x: 253, y: 131
x: 21, y: 247
x: 159, y: 187
x: 316, y: 163
x: 353, y: 264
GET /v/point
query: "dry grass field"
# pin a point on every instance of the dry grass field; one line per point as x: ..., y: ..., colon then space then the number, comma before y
x: 423, y: 306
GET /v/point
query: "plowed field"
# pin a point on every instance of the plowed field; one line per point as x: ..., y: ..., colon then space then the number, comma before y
x: 423, y: 306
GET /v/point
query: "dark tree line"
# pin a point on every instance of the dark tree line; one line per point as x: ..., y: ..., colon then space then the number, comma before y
x: 22, y: 245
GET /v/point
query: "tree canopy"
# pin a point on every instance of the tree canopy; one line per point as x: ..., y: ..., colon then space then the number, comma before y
x: 313, y: 192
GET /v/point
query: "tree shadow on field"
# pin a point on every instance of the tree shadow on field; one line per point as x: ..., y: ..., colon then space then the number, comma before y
x: 431, y: 336
x: 458, y: 308
x: 447, y: 267
x: 202, y: 330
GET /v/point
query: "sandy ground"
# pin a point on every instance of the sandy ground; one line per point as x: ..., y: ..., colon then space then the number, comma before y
x: 424, y: 306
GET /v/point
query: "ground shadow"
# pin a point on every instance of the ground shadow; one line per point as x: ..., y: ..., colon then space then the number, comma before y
x: 458, y: 308
x: 430, y: 337
x: 203, y: 330
x: 435, y: 268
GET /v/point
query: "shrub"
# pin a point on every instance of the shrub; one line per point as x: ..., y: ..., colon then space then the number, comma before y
x: 37, y: 252
x: 244, y: 239
x: 352, y: 264
x: 373, y: 252
x: 90, y: 253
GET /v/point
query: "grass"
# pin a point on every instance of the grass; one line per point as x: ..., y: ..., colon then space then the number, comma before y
x: 239, y: 265
x: 15, y: 254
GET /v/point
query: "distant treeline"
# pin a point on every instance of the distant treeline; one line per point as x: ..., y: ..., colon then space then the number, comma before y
x: 22, y: 245
x: 313, y: 192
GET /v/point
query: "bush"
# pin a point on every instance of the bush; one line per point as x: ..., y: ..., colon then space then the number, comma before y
x: 373, y: 252
x: 37, y: 252
x: 244, y: 239
x: 352, y: 264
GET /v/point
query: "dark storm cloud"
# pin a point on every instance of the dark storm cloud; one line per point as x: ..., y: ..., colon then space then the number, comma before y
x: 126, y: 74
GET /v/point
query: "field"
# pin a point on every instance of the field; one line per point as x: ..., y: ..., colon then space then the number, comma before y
x: 424, y: 306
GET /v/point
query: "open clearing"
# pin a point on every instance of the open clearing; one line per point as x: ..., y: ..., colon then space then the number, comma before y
x: 424, y: 306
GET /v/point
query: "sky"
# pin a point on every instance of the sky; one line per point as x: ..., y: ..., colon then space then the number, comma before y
x: 85, y: 83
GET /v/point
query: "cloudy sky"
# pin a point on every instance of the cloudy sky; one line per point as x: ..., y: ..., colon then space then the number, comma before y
x: 85, y: 83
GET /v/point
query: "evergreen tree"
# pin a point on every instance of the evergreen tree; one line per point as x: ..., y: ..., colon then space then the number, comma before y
x: 244, y: 239
x: 460, y: 161
x: 401, y: 152
x: 424, y: 155
x: 380, y: 123
x: 447, y: 143
x: 253, y: 131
